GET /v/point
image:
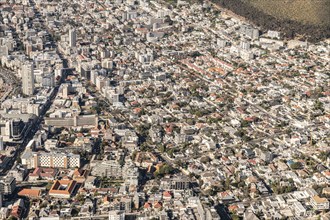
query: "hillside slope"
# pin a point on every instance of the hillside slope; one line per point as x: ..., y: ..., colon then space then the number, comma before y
x: 316, y: 12
x: 279, y: 15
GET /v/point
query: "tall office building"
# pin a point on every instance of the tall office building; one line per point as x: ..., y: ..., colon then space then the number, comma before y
x: 72, y: 37
x: 28, y: 79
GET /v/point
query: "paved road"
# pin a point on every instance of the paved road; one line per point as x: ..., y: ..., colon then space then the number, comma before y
x: 30, y: 132
x: 34, y: 127
x: 9, y: 82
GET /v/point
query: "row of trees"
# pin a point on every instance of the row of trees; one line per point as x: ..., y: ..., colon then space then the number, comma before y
x: 164, y: 170
x: 289, y: 28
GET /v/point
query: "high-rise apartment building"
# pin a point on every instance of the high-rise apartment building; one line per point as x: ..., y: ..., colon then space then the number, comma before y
x: 1, y: 143
x: 7, y: 185
x: 72, y: 37
x: 27, y: 79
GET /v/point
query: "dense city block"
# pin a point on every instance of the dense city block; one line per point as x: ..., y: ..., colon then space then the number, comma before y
x: 141, y: 109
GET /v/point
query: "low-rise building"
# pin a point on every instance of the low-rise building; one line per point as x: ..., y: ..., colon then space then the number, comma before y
x: 63, y: 188
x: 319, y: 203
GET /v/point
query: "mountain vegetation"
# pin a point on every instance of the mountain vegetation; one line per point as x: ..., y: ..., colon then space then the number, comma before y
x: 271, y: 17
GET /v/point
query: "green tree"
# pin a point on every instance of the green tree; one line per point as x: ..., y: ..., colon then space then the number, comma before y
x: 162, y: 148
x: 170, y: 152
x: 164, y: 170
x: 205, y: 159
x: 227, y: 183
x: 80, y: 197
x: 318, y: 105
x: 245, y: 123
x: 296, y: 165
x: 154, y: 189
x: 134, y: 153
x: 235, y: 217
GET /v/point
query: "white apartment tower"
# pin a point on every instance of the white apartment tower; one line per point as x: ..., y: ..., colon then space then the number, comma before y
x: 27, y: 79
x: 72, y: 37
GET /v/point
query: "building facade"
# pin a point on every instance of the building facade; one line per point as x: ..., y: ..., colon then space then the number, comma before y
x: 27, y: 79
x: 7, y: 185
x: 51, y: 160
x: 72, y: 37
